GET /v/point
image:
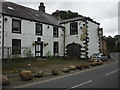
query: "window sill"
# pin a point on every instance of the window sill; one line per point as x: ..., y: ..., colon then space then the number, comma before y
x: 17, y: 32
x: 74, y: 34
x: 16, y: 53
x: 38, y: 35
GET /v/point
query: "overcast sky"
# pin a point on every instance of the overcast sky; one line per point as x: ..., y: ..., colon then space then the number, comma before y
x: 103, y: 11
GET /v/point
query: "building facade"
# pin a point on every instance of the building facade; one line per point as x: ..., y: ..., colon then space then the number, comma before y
x: 45, y: 34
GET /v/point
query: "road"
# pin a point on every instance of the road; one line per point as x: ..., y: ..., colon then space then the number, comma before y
x: 105, y: 76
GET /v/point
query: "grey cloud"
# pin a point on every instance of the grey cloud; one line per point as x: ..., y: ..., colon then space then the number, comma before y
x: 105, y: 13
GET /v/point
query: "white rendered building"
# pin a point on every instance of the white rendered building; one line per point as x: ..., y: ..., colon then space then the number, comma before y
x: 22, y: 27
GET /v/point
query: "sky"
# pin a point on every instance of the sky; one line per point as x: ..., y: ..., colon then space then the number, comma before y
x: 103, y: 11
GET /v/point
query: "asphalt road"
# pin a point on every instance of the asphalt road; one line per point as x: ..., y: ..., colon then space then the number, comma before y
x: 102, y: 77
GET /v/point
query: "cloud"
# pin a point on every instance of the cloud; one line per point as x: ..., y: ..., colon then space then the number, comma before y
x: 105, y: 12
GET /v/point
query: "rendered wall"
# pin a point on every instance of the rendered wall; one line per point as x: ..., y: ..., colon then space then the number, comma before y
x: 28, y: 36
x: 93, y: 45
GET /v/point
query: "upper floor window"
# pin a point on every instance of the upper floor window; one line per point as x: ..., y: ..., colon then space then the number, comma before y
x: 73, y: 28
x: 38, y: 29
x: 16, y: 26
x: 55, y: 31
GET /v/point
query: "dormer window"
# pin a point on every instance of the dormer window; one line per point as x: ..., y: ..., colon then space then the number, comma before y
x: 16, y: 26
x: 73, y: 28
x: 55, y: 31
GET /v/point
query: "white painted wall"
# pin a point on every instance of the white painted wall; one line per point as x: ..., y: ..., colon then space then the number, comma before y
x: 93, y: 44
x: 73, y: 38
x: 93, y: 38
x: 28, y: 36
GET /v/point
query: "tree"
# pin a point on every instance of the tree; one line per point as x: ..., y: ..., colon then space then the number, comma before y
x: 67, y: 14
x: 113, y: 43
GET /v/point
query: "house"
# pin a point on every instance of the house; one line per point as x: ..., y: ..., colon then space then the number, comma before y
x: 22, y: 27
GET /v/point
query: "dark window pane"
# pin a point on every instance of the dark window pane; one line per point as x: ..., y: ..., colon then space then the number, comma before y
x: 16, y: 46
x: 16, y: 26
x: 55, y: 47
x: 73, y: 28
x: 55, y: 31
x: 38, y: 29
x: 39, y: 39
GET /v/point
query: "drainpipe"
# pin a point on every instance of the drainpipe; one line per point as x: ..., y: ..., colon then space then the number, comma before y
x: 102, y: 46
x: 3, y: 39
x: 64, y: 41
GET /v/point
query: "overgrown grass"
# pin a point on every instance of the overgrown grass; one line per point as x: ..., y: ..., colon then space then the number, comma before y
x: 15, y: 66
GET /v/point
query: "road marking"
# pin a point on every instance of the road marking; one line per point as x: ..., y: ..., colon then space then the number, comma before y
x: 39, y: 82
x: 80, y: 84
x: 112, y: 72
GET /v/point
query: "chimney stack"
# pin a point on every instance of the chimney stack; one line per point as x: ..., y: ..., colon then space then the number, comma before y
x: 42, y: 7
x: 56, y: 14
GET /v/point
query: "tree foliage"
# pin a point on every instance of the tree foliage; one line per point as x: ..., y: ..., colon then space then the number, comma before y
x: 113, y: 43
x: 67, y: 14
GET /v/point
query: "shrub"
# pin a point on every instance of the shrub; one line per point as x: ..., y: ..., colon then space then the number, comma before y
x: 48, y: 54
x: 28, y: 53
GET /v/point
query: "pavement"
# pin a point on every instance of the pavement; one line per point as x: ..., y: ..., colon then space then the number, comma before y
x: 105, y: 76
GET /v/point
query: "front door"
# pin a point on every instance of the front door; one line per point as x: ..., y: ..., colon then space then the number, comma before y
x: 38, y: 49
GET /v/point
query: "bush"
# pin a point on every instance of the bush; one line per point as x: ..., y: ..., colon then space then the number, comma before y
x: 28, y: 53
x: 48, y: 54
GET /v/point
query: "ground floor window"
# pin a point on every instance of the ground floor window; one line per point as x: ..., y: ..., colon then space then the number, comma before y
x: 55, y: 47
x: 16, y: 46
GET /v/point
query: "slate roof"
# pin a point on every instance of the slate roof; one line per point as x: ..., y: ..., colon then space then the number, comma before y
x: 15, y: 10
x: 78, y: 18
x: 72, y: 19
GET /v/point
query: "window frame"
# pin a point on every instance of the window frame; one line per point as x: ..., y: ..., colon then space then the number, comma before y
x: 36, y: 29
x: 73, y: 29
x: 13, y: 30
x: 54, y: 48
x: 55, y: 32
x: 13, y: 48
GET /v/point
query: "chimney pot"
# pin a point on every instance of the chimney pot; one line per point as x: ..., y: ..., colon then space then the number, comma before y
x: 42, y: 7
